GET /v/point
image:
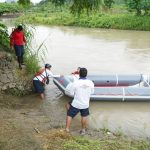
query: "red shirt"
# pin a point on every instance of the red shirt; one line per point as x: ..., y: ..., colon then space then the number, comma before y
x: 17, y: 38
x: 76, y: 72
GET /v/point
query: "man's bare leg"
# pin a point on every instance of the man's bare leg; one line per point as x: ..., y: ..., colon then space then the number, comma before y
x: 68, y: 123
x: 83, y: 125
x: 84, y: 122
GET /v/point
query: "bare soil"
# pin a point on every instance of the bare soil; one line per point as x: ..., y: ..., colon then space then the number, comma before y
x: 24, y: 125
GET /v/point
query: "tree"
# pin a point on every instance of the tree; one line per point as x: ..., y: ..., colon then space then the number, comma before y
x: 146, y: 6
x: 58, y: 3
x: 108, y: 3
x: 78, y: 6
x: 24, y: 3
x: 138, y: 5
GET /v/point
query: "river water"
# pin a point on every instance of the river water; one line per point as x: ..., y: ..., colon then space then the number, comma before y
x: 101, y: 51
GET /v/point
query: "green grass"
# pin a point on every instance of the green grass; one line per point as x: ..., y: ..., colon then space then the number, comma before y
x: 9, y: 8
x: 4, y: 37
x: 59, y: 140
x: 117, y: 17
x: 108, y: 21
x: 82, y: 143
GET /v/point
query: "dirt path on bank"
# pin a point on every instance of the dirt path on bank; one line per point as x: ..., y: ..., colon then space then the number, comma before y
x: 25, y: 125
x: 18, y: 124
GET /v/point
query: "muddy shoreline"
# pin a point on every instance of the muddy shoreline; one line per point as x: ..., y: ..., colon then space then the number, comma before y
x: 29, y: 123
x: 24, y: 120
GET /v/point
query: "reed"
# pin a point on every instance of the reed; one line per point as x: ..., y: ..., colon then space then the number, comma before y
x: 33, y: 56
x: 4, y: 37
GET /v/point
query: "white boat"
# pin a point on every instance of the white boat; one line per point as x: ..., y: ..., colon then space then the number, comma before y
x: 135, y: 87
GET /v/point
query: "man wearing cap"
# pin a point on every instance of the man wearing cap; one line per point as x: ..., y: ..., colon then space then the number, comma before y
x: 42, y: 78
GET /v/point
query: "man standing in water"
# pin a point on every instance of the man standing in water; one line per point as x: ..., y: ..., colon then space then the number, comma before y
x: 81, y: 89
x: 17, y: 41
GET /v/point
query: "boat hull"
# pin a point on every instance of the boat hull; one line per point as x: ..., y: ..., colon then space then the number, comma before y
x: 111, y: 88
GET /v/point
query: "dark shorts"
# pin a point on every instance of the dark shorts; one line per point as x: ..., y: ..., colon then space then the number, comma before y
x: 19, y: 49
x: 39, y: 87
x: 72, y: 112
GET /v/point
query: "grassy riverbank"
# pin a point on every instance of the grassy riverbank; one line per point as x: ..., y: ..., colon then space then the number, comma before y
x: 59, y: 140
x: 120, y: 21
x: 116, y: 18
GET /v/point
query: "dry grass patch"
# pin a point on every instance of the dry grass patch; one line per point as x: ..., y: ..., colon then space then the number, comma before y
x: 55, y: 138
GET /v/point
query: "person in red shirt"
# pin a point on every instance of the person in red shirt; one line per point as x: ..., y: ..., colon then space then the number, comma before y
x: 17, y: 41
x: 76, y: 72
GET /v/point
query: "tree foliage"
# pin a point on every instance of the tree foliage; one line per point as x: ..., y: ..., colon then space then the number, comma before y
x: 139, y: 6
x: 9, y: 8
x: 24, y: 3
x: 108, y: 3
x: 79, y: 6
x: 58, y: 2
x: 119, y: 2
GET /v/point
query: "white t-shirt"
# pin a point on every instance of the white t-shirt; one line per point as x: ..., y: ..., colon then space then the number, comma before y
x: 44, y: 74
x: 81, y: 90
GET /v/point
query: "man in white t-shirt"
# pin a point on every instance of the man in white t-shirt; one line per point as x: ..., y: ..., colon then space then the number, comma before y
x: 81, y: 89
x: 42, y: 78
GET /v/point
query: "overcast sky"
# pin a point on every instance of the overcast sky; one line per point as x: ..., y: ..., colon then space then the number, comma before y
x: 34, y: 1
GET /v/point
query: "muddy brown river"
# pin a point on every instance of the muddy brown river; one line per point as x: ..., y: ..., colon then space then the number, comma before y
x: 101, y: 52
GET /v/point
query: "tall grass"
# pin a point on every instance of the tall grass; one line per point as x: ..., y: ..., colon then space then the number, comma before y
x: 4, y: 37
x: 33, y: 56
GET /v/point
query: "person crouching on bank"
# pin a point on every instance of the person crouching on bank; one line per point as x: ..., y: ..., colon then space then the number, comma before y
x: 42, y: 78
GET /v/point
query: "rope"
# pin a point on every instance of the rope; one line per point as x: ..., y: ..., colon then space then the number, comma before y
x: 141, y: 79
x: 116, y: 79
x: 123, y: 91
x: 147, y: 80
